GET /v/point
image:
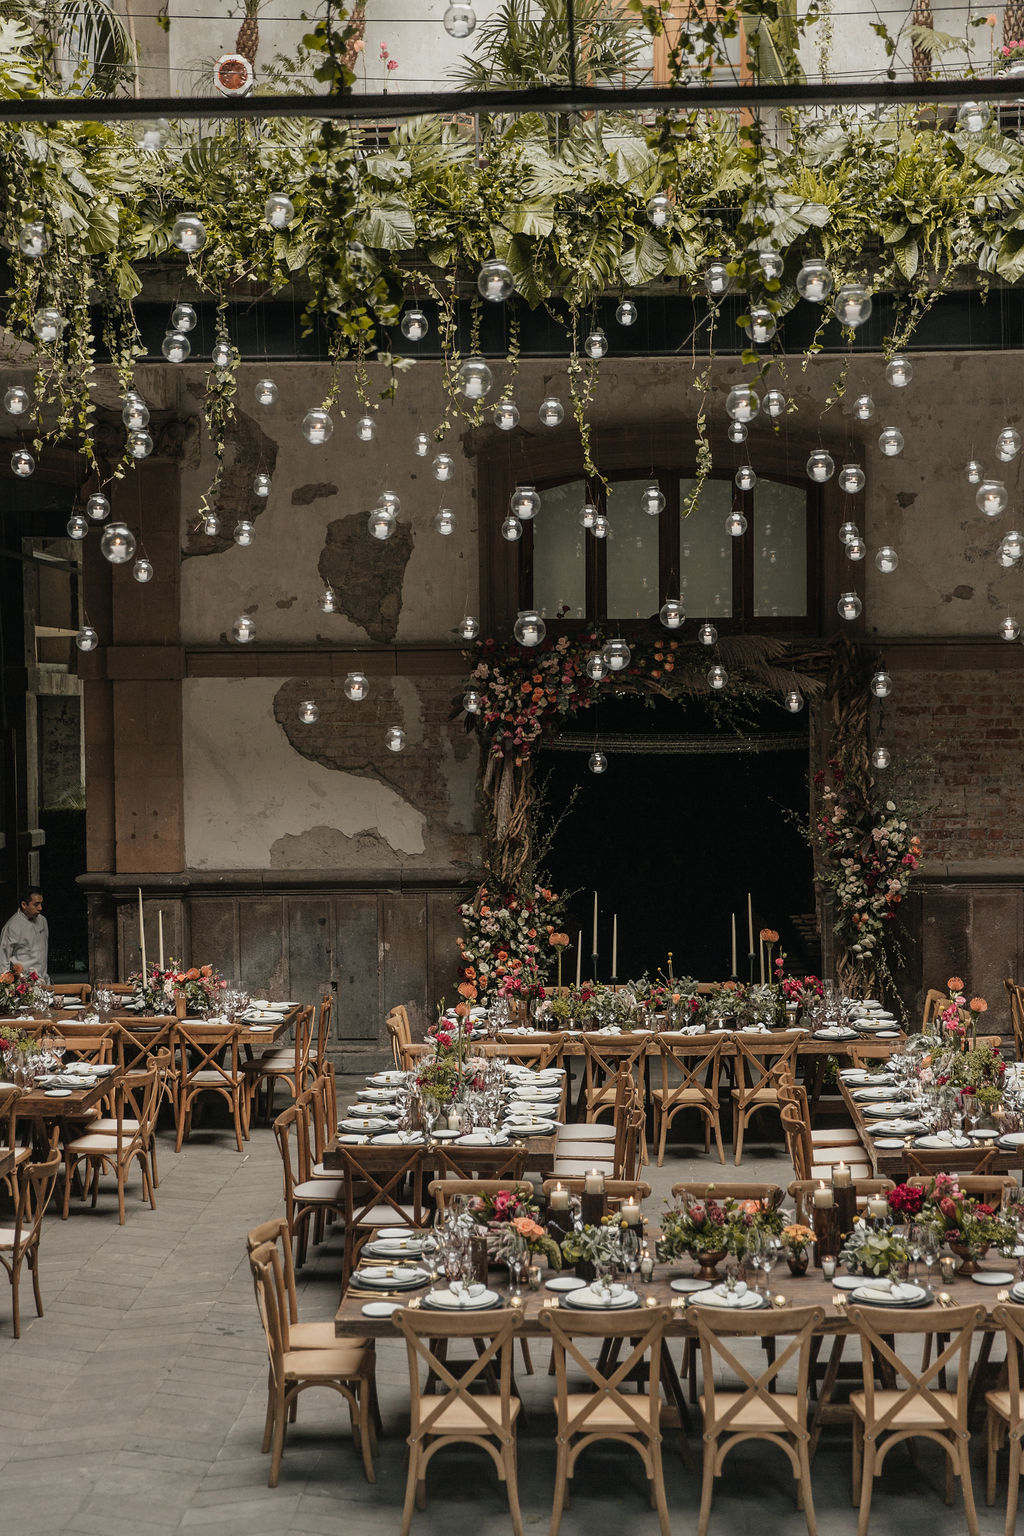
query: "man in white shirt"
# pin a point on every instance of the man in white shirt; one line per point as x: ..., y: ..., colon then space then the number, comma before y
x: 25, y: 940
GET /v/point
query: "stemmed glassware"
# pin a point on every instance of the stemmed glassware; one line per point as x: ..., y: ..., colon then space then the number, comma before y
x: 632, y: 1248
x: 755, y: 1253
x: 929, y: 1245
x: 769, y: 1253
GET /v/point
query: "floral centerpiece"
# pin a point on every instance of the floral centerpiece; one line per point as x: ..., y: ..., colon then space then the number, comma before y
x: 441, y: 1077
x: 510, y: 1219
x: 20, y: 991
x: 969, y: 1226
x: 957, y: 1018
x: 598, y: 1245
x: 709, y: 1229
x: 509, y: 945
x: 872, y: 1252
x: 15, y: 1048
x: 157, y: 991
x: 1009, y: 53
x: 796, y: 1239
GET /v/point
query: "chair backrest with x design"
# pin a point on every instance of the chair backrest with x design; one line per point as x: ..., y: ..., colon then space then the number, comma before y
x: 85, y: 1042
x: 201, y: 1047
x: 136, y: 1095
x: 274, y: 1233
x: 399, y: 1033
x: 641, y: 1331
x: 690, y: 1066
x: 914, y: 1406
x: 926, y: 1163
x: 728, y: 1412
x: 723, y: 1189
x: 605, y: 1059
x: 35, y: 1187
x: 481, y: 1413
x: 1011, y: 1320
x: 1015, y: 994
x: 539, y: 1054
x: 798, y: 1140
x: 507, y: 1163
x: 137, y: 1040
x: 761, y: 1061
x: 376, y: 1177
x: 324, y: 1015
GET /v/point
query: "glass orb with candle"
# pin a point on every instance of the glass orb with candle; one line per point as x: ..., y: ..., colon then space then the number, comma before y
x: 626, y: 313
x: 617, y: 654
x: 597, y: 762
x: 851, y: 479
x: 529, y: 628
x: 356, y: 686
x: 506, y: 415
x: 899, y: 371
x: 1007, y: 445
x: 821, y: 466
x: 991, y: 497
x: 742, y: 403
x: 495, y: 281
x: 596, y: 667
x: 671, y: 613
x: 707, y: 634
x: 974, y: 471
x: 814, y: 282
x: 1009, y: 629
x: 737, y: 432
x: 524, y: 502
x: 717, y: 280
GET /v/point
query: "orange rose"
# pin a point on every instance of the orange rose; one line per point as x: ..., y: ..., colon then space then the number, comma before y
x: 531, y: 933
x: 462, y: 1009
x: 7, y: 976
x: 466, y: 989
x: 769, y: 936
x: 192, y: 974
x: 978, y: 1005
x: 206, y: 970
x: 527, y: 1227
x: 955, y: 984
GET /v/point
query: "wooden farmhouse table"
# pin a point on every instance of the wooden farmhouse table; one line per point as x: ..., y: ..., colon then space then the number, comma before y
x: 891, y: 1162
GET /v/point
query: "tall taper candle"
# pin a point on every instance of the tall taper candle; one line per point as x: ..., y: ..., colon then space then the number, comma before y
x: 593, y: 947
x: 142, y: 937
x: 734, y: 971
x: 750, y: 926
x: 615, y: 945
x: 160, y: 933
x: 579, y: 956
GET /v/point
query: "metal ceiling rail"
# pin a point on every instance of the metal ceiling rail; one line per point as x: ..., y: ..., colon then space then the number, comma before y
x: 388, y: 107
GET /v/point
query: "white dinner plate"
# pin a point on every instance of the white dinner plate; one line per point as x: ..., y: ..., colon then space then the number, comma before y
x: 848, y: 1282
x: 687, y: 1284
x: 888, y: 1143
x: 1013, y: 1139
x: 485, y: 1139
x: 350, y: 1139
x: 565, y: 1283
x: 399, y: 1139
x: 368, y: 1125
x: 377, y: 1095
x: 746, y: 1301
x: 394, y: 1248
x: 380, y: 1308
x: 894, y: 1128
x: 450, y: 1301
x: 391, y: 1079
x: 535, y: 1128
x: 993, y: 1277
x: 1017, y: 1293
x: 887, y: 1034
x: 836, y: 1034
x: 58, y: 1093
x: 401, y: 1277
x: 905, y: 1294
x: 941, y: 1143
x: 600, y: 1301
x: 869, y: 1095
x: 260, y: 1028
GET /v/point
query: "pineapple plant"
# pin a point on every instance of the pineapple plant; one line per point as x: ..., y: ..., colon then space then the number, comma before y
x: 248, y: 40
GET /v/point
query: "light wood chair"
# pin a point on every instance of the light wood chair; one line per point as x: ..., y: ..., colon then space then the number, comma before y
x: 622, y: 1157
x: 441, y: 1191
x: 757, y: 1411
x: 1005, y: 1421
x: 79, y: 990
x: 605, y: 1410
x: 306, y: 1198
x: 606, y: 1058
x: 373, y: 1181
x: 290, y: 1067
x: 690, y: 1070
x: 400, y: 1035
x: 324, y: 1016
x: 106, y: 1125
x: 296, y: 1335
x: 934, y: 1000
x: 130, y: 1141
x: 812, y: 1161
x: 914, y: 1407
x: 926, y: 1162
x: 760, y: 1062
x: 1015, y: 994
x: 10, y: 1093
x: 84, y: 1042
x: 991, y: 1188
x: 202, y: 1069
x: 19, y: 1244
x: 729, y: 1190
x: 347, y: 1368
x: 458, y: 1415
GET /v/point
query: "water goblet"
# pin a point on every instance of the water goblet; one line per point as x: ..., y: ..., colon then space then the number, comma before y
x: 769, y: 1253
x: 755, y: 1252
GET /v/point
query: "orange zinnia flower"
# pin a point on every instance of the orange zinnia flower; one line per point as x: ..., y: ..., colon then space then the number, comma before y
x: 769, y: 936
x: 978, y: 1005
x: 955, y: 984
x: 466, y: 989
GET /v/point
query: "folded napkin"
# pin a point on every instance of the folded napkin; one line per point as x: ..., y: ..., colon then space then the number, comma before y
x: 883, y: 1289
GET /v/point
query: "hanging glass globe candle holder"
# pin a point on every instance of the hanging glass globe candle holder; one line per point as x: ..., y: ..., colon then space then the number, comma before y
x: 881, y: 684
x: 511, y: 529
x: 626, y: 313
x: 659, y: 210
x: 974, y: 471
x: 551, y: 412
x: 87, y: 639
x: 421, y: 444
x: 617, y: 654
x: 596, y: 344
x: 506, y: 415
x: 48, y: 324
x: 327, y: 602
x: 211, y: 524
x: 864, y: 408
x: 973, y: 116
x: 745, y: 477
x: 472, y: 701
x: 142, y: 570
x: 389, y: 502
x: 852, y: 305
x: 671, y: 613
x: 77, y: 526
x: 814, y: 282
x: 17, y: 400
x: 899, y: 371
x: 443, y: 467
x: 243, y: 629
x: 1009, y: 629
x: 849, y: 606
x: 459, y: 20
x: 602, y: 528
x: 596, y: 667
x: 278, y: 210
x: 851, y: 479
x: 529, y: 628
x: 847, y: 532
x: 524, y: 503
x: 381, y: 524
x: 1006, y: 558
x: 881, y: 757
x: 97, y: 507
x: 266, y: 392
x: 821, y: 466
x: 737, y: 432
x: 176, y: 347
x: 366, y: 429
x: 414, y: 324
x: 588, y: 516
x: 317, y: 426
x: 774, y: 404
x: 135, y: 413
x: 717, y: 678
x: 183, y: 317
x: 117, y: 543
x: 1013, y: 543
x: 891, y: 442
x: 652, y: 499
x: 188, y: 234
x: 22, y: 463
x: 736, y: 525
x: 1007, y: 445
x: 140, y: 445
x: 717, y: 280
x: 771, y: 265
x: 309, y: 712
x: 495, y: 281
x: 707, y: 634
x: 444, y: 521
x: 887, y: 559
x: 469, y: 627
x: 243, y: 533
x: 475, y: 378
x: 856, y: 548
x: 763, y: 325
x: 33, y: 241
x: 356, y: 686
x: 991, y: 497
x: 597, y: 762
x: 742, y: 403
x: 261, y: 484
x: 794, y: 701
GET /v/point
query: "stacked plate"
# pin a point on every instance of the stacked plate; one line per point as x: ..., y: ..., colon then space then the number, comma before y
x: 739, y: 1299
x: 398, y: 1138
x: 390, y: 1079
x: 942, y: 1141
x: 395, y: 1247
x: 367, y: 1125
x: 484, y: 1139
x: 595, y: 1298
x: 462, y: 1298
x: 392, y: 1278
x: 889, y: 1293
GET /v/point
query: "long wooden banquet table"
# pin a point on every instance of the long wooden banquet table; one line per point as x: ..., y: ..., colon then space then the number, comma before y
x: 251, y: 1034
x: 892, y: 1163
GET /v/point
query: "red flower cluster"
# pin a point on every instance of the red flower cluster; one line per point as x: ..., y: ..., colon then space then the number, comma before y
x: 906, y: 1200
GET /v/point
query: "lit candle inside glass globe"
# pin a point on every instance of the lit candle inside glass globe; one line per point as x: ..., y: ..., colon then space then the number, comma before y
x: 597, y: 762
x: 97, y: 507
x: 717, y: 280
x: 881, y: 685
x: 266, y: 392
x: 414, y: 324
x: 991, y: 497
x: 77, y: 526
x: 737, y: 432
x: 745, y: 477
x: 211, y: 524
x: 821, y: 466
x: 1009, y: 629
x: 596, y: 344
x: 87, y: 639
x: 244, y: 533
x: 366, y: 429
x: 1007, y: 445
x: 770, y: 263
x: 899, y: 371
x: 309, y: 712
x: 551, y: 412
x: 261, y: 484
x: 459, y: 20
x: 774, y: 404
x: 596, y: 667
x: 1013, y: 543
x: 33, y: 241
x: 814, y: 282
x: 471, y: 701
x: 140, y: 445
x: 22, y: 463
x: 390, y: 502
x: 671, y: 613
x: 381, y: 524
x: 652, y: 499
x: 973, y: 116
x: 142, y: 570
x: 626, y: 313
x: 891, y: 442
x: 356, y: 686
x: 17, y: 400
x: 588, y: 516
x: 529, y: 628
x: 887, y: 559
x: 707, y: 634
x: 176, y: 347
x: 717, y: 678
x: 849, y: 606
x: 506, y: 415
x: 864, y: 408
x: 762, y: 325
x: 443, y: 467
x: 847, y: 532
x: 511, y: 529
x: 469, y: 627
x: 475, y: 378
x: 794, y: 701
x: 278, y: 210
x: 851, y: 479
x: 659, y: 210
x: 742, y: 403
x: 601, y: 528
x: 974, y: 471
x: 881, y: 757
x: 327, y: 602
x: 495, y: 281
x: 617, y: 654
x: 395, y: 738
x: 852, y: 305
x: 736, y: 524
x: 221, y: 354
x: 183, y: 317
x: 421, y: 443
x: 135, y: 412
x: 444, y: 521
x: 188, y: 234
x: 524, y: 502
x: 317, y: 426
x: 48, y: 324
x: 856, y: 548
x: 243, y: 629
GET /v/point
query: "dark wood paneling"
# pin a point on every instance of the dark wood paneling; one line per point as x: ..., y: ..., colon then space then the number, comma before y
x: 262, y: 960
x: 360, y: 1008
x: 213, y: 932
x: 308, y: 944
x: 404, y: 936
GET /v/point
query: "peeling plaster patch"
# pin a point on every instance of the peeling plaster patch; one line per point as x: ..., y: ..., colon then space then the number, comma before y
x: 410, y: 708
x: 285, y: 602
x: 304, y: 495
x: 963, y: 592
x: 249, y: 451
x: 459, y: 773
x: 367, y: 574
x: 906, y: 498
x: 327, y: 848
x: 245, y: 787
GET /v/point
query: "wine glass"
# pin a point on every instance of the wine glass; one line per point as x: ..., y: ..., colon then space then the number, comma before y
x: 755, y: 1252
x: 929, y: 1251
x: 769, y: 1253
x: 632, y: 1246
x: 915, y: 1235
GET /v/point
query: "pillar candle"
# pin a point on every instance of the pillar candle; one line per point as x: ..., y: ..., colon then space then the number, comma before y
x: 824, y: 1199
x: 750, y: 926
x: 558, y: 1199
x: 593, y: 1182
x: 615, y: 944
x: 629, y: 1210
x: 160, y: 933
x: 142, y: 936
x: 593, y: 947
x: 579, y: 954
x: 878, y: 1206
x: 734, y: 971
x: 841, y: 1177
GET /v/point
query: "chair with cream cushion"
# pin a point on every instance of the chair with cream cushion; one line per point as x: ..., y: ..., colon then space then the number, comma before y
x: 306, y: 1198
x: 208, y: 1063
x: 289, y: 1066
x: 130, y: 1141
x: 19, y: 1244
x: 761, y: 1062
x: 1005, y: 1422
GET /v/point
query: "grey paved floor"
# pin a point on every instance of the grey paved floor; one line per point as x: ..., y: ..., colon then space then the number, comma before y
x: 136, y: 1404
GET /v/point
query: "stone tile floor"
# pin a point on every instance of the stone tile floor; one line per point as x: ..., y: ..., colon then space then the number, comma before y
x: 136, y: 1404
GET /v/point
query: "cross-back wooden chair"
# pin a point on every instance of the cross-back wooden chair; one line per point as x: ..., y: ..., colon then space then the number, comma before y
x: 989, y: 1187
x: 914, y: 1407
x: 926, y: 1162
x: 324, y: 1018
x: 138, y: 1045
x: 605, y: 1059
x: 760, y: 1061
x: 78, y: 991
x: 543, y: 1052
x: 507, y: 1163
x: 400, y: 1034
x: 208, y: 1062
x: 793, y: 1091
x: 347, y: 1369
x: 130, y: 1141
x: 297, y: 1335
x: 756, y: 1410
x: 1005, y: 1419
x: 934, y: 1000
x: 10, y: 1093
x: 605, y: 1410
x: 812, y: 1159
x: 373, y: 1183
x: 289, y: 1066
x: 690, y: 1070
x: 85, y: 1042
x: 444, y: 1408
x: 306, y: 1198
x: 1015, y: 995
x: 443, y: 1191
x: 162, y: 1061
x: 797, y: 1141
x: 19, y: 1244
x: 716, y: 1189
x: 624, y: 1156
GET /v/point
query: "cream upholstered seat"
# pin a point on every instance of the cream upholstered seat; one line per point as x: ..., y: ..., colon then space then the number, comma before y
x: 690, y: 1069
x: 135, y: 1101
x: 1005, y: 1420
x: 19, y: 1244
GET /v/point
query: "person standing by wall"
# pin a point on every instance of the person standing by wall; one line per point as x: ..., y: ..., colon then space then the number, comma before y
x: 25, y: 939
